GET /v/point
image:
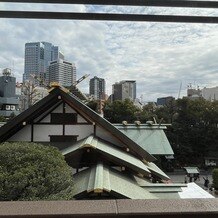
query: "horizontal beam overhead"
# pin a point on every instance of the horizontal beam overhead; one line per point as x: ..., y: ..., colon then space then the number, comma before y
x: 154, y: 3
x: 107, y: 17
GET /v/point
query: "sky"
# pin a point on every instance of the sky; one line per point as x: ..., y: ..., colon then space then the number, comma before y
x: 163, y: 58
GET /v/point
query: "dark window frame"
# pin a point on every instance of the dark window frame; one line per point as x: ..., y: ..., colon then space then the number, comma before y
x: 63, y: 138
x: 63, y: 118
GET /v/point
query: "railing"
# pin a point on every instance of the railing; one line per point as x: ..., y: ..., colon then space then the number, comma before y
x: 174, y: 208
x: 116, y: 17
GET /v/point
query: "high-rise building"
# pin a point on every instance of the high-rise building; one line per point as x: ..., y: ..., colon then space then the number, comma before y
x: 210, y: 94
x: 165, y: 100
x: 97, y: 88
x: 61, y: 71
x: 38, y: 55
x: 125, y: 89
x: 9, y: 103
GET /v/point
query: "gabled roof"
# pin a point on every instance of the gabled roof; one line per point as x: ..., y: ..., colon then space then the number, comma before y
x: 191, y: 170
x: 110, y: 152
x: 18, y: 122
x: 57, y: 95
x: 150, y: 137
x: 101, y: 179
x: 113, y: 153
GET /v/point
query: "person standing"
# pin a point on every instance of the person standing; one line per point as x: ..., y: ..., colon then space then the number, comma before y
x: 186, y: 180
x: 206, y: 182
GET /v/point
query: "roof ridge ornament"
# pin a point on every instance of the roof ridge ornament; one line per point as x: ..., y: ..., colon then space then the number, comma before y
x: 54, y: 85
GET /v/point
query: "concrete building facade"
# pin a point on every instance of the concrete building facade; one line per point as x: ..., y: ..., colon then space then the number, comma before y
x: 210, y: 94
x: 165, y: 100
x: 38, y: 55
x: 61, y: 71
x: 125, y: 89
x: 193, y: 93
x: 9, y: 103
x: 97, y: 88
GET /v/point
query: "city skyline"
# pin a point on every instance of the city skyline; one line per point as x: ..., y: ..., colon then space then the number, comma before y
x: 38, y: 56
x: 159, y: 56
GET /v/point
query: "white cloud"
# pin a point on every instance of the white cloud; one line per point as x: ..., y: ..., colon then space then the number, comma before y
x: 159, y: 56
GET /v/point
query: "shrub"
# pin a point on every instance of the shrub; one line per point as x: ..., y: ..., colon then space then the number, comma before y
x: 30, y: 171
x: 215, y: 178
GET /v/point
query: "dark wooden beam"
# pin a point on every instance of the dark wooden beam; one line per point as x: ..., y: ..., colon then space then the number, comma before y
x: 108, y: 17
x: 154, y: 3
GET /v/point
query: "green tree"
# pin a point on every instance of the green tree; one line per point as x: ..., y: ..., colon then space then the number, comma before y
x: 194, y: 130
x: 167, y: 112
x: 12, y: 115
x: 148, y: 112
x: 215, y: 178
x: 2, y: 119
x: 93, y: 105
x: 118, y: 111
x: 30, y: 171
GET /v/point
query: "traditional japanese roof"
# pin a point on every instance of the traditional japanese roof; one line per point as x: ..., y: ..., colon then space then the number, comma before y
x: 192, y: 170
x: 194, y: 191
x: 75, y: 153
x: 103, y: 180
x: 108, y: 162
x: 57, y: 95
x: 2, y: 123
x: 150, y: 137
x: 159, y: 187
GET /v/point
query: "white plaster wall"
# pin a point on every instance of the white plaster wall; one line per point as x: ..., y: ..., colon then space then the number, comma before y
x: 59, y: 109
x: 47, y: 119
x: 42, y: 132
x: 68, y: 109
x: 101, y: 133
x: 81, y: 119
x: 81, y: 130
x: 22, y: 135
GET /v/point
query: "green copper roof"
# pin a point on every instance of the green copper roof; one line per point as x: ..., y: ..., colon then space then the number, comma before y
x: 191, y: 170
x: 101, y: 179
x: 150, y: 137
x: 121, y: 157
x: 157, y: 171
x: 159, y: 187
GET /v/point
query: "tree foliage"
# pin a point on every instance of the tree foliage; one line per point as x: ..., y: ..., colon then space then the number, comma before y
x: 93, y: 105
x: 30, y: 171
x: 2, y: 118
x: 118, y: 111
x: 215, y: 178
x: 194, y: 130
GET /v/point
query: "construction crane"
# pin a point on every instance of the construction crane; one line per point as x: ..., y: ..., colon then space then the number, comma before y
x: 42, y: 82
x: 180, y: 87
x: 73, y: 89
x: 80, y: 79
